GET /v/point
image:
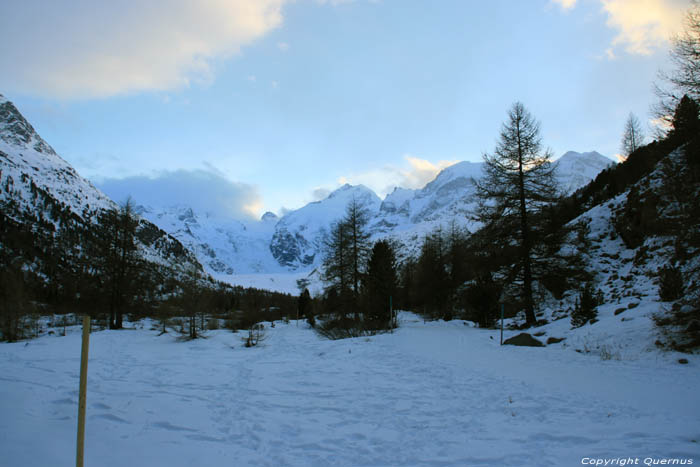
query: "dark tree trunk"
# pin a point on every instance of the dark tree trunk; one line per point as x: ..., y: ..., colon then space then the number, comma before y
x: 525, y: 245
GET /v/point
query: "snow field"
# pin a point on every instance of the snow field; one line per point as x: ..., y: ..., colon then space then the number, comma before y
x: 431, y: 394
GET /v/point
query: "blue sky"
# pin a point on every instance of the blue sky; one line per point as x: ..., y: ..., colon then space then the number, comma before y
x: 284, y: 101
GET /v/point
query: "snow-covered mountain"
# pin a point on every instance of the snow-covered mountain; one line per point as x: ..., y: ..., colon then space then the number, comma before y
x: 298, y: 237
x: 575, y: 170
x: 223, y: 246
x: 42, y: 191
x: 294, y: 242
x: 408, y: 215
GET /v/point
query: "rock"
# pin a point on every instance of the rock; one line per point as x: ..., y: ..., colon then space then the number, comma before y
x: 683, y: 361
x: 619, y: 310
x: 523, y: 339
x: 555, y: 340
x: 693, y: 327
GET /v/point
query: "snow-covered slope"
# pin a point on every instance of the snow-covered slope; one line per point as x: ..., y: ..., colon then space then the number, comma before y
x: 298, y: 237
x: 223, y: 246
x: 27, y: 160
x: 38, y: 185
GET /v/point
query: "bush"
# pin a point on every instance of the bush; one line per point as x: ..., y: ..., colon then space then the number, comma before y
x: 670, y: 283
x: 256, y: 334
x: 586, y: 307
x: 482, y: 301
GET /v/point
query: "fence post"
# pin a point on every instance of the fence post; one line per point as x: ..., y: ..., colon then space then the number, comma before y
x: 83, y: 389
x: 501, y: 323
x: 391, y: 315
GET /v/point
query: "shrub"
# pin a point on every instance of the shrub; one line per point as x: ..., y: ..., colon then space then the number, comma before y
x: 586, y: 307
x: 670, y: 283
x: 482, y: 301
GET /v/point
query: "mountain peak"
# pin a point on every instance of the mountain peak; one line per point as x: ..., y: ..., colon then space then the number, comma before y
x: 15, y: 130
x: 360, y: 191
x: 269, y: 217
x: 575, y: 170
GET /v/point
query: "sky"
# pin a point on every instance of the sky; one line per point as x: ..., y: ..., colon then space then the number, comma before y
x: 252, y: 106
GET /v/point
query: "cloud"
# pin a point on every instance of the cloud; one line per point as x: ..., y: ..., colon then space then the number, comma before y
x: 416, y: 173
x: 283, y: 46
x: 83, y: 48
x: 565, y: 4
x: 202, y: 190
x: 644, y: 24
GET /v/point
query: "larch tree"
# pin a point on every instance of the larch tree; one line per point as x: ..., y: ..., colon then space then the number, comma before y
x: 518, y: 183
x: 633, y: 135
x: 337, y: 271
x: 119, y: 258
x: 346, y: 253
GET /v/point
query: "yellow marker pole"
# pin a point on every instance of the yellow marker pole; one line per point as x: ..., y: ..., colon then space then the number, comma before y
x: 83, y: 390
x: 501, y: 323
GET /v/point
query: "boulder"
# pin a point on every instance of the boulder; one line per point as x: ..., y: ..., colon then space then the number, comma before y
x: 523, y: 339
x: 555, y: 340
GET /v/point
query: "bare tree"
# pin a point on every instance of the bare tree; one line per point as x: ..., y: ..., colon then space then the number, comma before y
x: 518, y: 182
x: 633, y: 136
x: 685, y: 77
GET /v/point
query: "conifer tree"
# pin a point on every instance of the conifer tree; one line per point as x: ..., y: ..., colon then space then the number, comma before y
x: 518, y: 183
x: 381, y: 284
x: 585, y: 309
x: 633, y: 135
x: 345, y: 257
x: 116, y: 244
x: 686, y: 119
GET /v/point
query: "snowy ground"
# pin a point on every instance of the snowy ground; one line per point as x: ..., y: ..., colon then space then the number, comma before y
x: 431, y: 394
x: 277, y: 282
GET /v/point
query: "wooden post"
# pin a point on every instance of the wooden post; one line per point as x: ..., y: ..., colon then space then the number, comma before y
x: 391, y: 315
x: 83, y: 389
x: 501, y: 323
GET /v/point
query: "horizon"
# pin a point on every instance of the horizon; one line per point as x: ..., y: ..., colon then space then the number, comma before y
x: 274, y: 105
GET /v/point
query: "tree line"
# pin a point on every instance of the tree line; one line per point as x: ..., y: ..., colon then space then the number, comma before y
x: 53, y: 262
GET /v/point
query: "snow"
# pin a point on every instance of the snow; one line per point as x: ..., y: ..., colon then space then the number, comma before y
x: 280, y: 282
x: 430, y: 394
x: 575, y: 170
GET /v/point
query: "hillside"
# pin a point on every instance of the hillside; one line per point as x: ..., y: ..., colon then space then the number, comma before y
x: 37, y: 182
x: 53, y: 236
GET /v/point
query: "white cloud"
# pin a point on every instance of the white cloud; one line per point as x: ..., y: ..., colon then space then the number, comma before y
x: 565, y: 4
x: 202, y: 190
x: 83, y: 48
x: 643, y: 25
x: 283, y: 46
x: 416, y: 173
